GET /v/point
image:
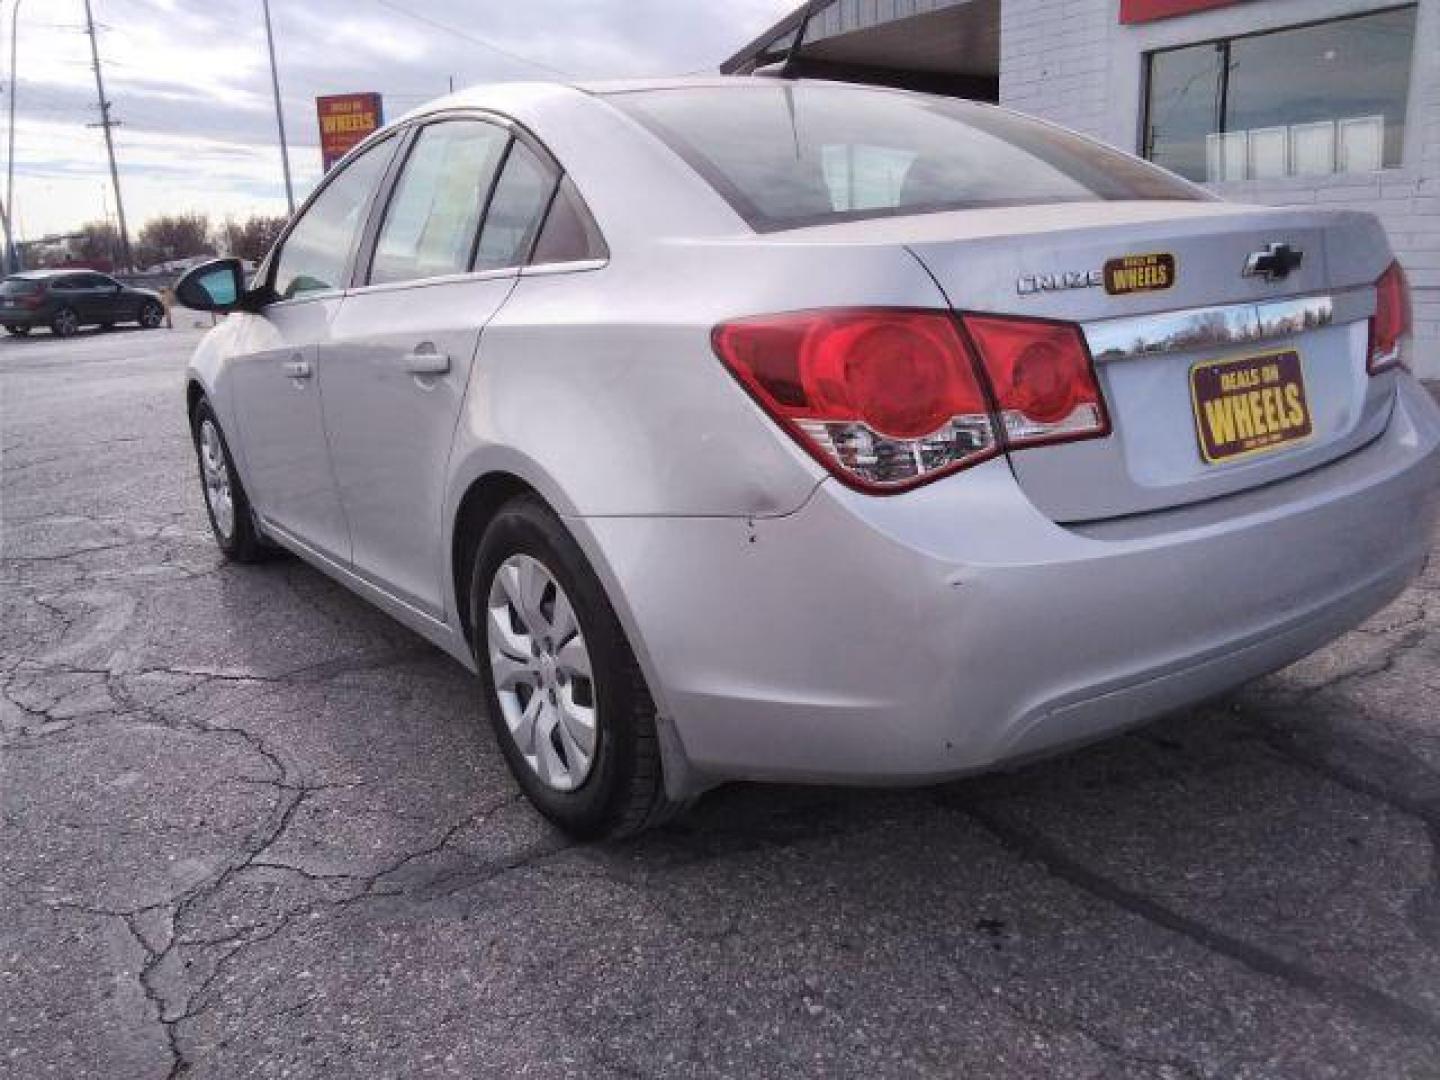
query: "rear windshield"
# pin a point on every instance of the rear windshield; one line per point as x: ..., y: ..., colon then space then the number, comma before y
x: 787, y: 154
x: 19, y: 287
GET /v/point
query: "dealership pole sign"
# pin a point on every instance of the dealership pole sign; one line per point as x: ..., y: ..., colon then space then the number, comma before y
x: 345, y: 122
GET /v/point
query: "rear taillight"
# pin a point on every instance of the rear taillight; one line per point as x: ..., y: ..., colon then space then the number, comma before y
x: 1042, y: 378
x: 884, y: 399
x: 32, y: 300
x: 1390, y: 328
x: 887, y: 399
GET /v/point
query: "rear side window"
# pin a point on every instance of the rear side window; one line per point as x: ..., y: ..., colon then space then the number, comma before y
x: 434, y: 214
x: 516, y: 210
x: 570, y: 233
x: 785, y: 155
x: 19, y: 287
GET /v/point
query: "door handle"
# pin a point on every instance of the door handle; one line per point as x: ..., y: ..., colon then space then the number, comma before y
x: 425, y: 360
x: 297, y: 369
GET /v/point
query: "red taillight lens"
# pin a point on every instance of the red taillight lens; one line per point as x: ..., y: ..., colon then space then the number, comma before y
x: 1042, y: 378
x: 32, y: 300
x: 1390, y: 328
x: 885, y: 399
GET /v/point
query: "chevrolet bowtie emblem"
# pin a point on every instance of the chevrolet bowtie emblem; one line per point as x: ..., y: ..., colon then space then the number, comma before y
x: 1274, y: 262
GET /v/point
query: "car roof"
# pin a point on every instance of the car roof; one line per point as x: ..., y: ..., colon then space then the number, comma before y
x: 678, y: 82
x: 512, y: 97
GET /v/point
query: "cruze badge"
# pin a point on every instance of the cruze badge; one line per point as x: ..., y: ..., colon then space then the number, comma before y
x: 1069, y: 279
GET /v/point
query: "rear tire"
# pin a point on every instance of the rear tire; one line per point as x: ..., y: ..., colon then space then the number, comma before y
x: 619, y: 789
x: 65, y: 322
x: 152, y: 314
x: 17, y: 329
x: 226, y: 504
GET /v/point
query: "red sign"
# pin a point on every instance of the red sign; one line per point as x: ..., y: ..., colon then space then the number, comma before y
x: 1138, y: 11
x: 345, y: 122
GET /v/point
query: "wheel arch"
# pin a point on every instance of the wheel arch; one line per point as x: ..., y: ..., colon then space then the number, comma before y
x: 194, y: 394
x: 476, y: 506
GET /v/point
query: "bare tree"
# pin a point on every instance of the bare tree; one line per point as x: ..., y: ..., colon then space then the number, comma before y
x: 252, y: 238
x: 174, y: 236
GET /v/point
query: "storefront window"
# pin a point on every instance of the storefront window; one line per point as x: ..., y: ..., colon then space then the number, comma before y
x: 1308, y: 101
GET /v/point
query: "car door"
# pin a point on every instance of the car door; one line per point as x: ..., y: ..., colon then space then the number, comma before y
x: 399, y: 358
x: 70, y: 292
x: 96, y: 295
x: 110, y: 302
x: 274, y: 374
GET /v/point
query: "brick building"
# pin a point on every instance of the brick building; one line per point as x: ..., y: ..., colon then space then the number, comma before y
x: 1270, y: 101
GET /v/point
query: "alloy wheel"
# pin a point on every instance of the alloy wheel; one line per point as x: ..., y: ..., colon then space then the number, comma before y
x: 151, y: 316
x: 542, y: 673
x: 66, y: 323
x: 215, y: 472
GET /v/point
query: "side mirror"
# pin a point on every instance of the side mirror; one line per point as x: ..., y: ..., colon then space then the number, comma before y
x: 218, y: 285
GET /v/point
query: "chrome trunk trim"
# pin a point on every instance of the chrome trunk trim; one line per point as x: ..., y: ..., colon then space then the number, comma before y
x: 1220, y: 327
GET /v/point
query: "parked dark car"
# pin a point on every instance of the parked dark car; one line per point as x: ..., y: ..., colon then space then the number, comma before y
x: 66, y: 300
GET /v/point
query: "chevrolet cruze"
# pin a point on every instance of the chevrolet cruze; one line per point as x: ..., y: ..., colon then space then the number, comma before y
x: 784, y: 430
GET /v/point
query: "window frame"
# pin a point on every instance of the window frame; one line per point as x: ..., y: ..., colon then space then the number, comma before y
x: 410, y: 131
x: 267, y: 270
x: 557, y: 177
x: 380, y: 211
x: 1147, y: 74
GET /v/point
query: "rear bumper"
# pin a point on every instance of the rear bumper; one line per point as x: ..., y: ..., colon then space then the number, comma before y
x: 25, y: 318
x: 924, y: 636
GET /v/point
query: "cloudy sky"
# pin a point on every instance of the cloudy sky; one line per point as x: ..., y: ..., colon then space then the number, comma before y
x: 190, y: 81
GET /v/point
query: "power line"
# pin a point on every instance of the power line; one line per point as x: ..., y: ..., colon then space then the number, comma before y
x: 482, y: 42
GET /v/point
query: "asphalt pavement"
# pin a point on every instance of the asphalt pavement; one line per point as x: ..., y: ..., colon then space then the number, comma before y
x: 250, y: 827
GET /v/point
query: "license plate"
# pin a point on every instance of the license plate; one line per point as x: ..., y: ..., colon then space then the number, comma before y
x: 1249, y: 406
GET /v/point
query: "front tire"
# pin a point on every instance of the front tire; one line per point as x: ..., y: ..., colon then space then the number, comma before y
x: 564, y: 692
x: 226, y: 503
x: 65, y: 323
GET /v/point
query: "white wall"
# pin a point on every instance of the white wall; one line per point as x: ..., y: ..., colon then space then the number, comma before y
x: 1071, y: 61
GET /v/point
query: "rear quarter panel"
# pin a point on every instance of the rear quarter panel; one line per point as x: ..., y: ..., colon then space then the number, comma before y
x: 601, y: 388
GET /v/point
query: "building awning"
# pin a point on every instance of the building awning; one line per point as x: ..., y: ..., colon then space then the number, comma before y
x: 948, y: 46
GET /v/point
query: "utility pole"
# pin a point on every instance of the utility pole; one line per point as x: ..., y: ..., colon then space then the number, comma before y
x: 105, y: 125
x: 279, y: 110
x: 12, y: 261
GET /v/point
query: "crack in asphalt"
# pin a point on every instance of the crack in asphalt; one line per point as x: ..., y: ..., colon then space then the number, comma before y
x: 1353, y: 995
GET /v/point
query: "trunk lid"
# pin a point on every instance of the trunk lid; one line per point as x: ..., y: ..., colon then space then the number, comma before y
x: 1196, y: 311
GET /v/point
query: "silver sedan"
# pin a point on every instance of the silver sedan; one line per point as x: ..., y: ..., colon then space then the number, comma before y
x: 764, y: 429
